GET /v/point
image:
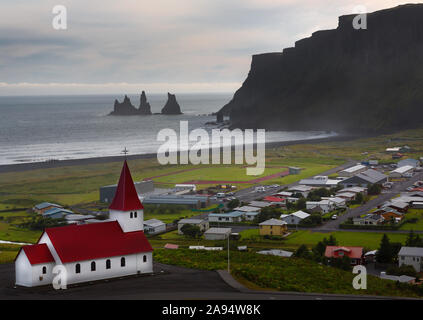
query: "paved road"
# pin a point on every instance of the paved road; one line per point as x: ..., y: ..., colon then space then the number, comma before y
x: 174, y: 283
x: 356, y: 212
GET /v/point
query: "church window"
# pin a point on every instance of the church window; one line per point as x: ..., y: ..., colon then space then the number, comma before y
x: 145, y: 258
x: 122, y: 262
x: 135, y: 214
x: 132, y: 215
x: 108, y: 264
x: 93, y: 266
x: 77, y: 268
x: 44, y: 270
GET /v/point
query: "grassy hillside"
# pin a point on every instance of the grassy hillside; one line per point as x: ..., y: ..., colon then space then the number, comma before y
x: 282, y: 274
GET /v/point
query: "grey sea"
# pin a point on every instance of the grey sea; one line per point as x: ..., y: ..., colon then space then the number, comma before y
x: 44, y: 128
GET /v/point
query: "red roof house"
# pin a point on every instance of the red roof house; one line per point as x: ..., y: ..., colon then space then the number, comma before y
x: 274, y: 199
x: 354, y: 253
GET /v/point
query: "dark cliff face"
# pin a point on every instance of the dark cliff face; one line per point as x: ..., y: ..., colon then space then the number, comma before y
x: 347, y: 80
x: 171, y: 107
x: 145, y: 107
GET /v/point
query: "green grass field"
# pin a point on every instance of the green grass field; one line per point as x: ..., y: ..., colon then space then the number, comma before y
x: 281, y: 274
x: 414, y: 214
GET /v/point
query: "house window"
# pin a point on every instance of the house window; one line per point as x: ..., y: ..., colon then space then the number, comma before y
x: 135, y: 214
x: 131, y: 214
x: 93, y: 266
x: 77, y: 268
x: 44, y: 270
x: 145, y: 258
x: 122, y: 262
x: 108, y: 264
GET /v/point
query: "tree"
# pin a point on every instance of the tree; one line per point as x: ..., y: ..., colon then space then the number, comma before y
x: 385, y: 253
x: 301, y: 204
x: 233, y: 203
x: 374, y: 189
x: 413, y: 240
x: 191, y: 230
x: 359, y: 199
x: 302, y: 252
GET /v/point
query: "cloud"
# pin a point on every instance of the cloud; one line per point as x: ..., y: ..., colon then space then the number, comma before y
x: 154, y: 42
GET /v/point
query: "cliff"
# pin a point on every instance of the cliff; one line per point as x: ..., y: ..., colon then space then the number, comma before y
x: 172, y: 106
x: 347, y: 80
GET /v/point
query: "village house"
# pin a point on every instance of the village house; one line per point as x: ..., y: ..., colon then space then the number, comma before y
x: 401, y: 172
x: 411, y: 256
x: 260, y: 204
x: 201, y: 223
x: 369, y: 219
x: 365, y: 178
x: 354, y: 253
x: 347, y: 196
x: 295, y: 218
x: 235, y: 216
x: 325, y: 205
x: 408, y: 162
x: 217, y: 233
x: 355, y: 190
x: 250, y: 216
x: 352, y: 171
x: 275, y: 200
x: 397, y: 205
x: 56, y: 213
x: 273, y: 227
x: 154, y: 226
x: 45, y: 206
x: 91, y: 252
x: 301, y: 189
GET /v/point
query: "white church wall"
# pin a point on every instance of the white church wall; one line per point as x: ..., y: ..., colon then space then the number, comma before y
x: 133, y: 264
x: 28, y: 275
x: 127, y: 223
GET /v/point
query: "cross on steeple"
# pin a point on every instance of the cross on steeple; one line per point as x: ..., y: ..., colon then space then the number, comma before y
x: 125, y: 152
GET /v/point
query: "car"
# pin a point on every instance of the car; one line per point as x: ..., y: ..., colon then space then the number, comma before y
x: 410, y: 189
x: 334, y: 217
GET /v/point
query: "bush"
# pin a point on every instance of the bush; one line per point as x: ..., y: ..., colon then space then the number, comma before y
x: 403, y: 270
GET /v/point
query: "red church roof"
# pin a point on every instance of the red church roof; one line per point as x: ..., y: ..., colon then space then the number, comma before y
x: 126, y: 197
x: 38, y: 253
x: 94, y: 241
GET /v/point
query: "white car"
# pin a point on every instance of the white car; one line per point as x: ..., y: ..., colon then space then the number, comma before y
x: 334, y: 217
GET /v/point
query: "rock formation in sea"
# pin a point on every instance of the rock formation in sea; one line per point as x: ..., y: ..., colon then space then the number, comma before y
x: 145, y: 107
x: 172, y: 106
x: 125, y: 108
x: 346, y: 80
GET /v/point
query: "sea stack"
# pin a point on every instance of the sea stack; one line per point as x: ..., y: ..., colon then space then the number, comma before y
x: 172, y: 107
x: 125, y: 108
x: 145, y: 107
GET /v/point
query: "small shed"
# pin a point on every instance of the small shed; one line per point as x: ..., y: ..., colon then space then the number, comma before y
x: 217, y: 233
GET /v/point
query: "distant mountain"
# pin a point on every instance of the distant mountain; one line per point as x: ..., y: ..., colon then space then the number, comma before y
x: 347, y: 80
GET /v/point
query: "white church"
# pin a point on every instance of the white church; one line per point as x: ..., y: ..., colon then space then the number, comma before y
x: 89, y: 252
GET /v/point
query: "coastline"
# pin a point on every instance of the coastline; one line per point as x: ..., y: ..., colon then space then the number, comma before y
x: 19, y: 167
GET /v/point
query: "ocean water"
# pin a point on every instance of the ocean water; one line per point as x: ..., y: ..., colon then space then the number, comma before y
x: 42, y: 128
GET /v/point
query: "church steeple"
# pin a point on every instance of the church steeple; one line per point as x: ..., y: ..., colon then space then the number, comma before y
x: 126, y: 197
x: 126, y: 207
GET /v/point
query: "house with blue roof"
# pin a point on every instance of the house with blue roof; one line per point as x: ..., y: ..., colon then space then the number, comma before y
x: 56, y: 213
x: 45, y: 206
x: 235, y: 216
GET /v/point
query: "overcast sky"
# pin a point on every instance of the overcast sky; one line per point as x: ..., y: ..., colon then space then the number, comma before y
x: 123, y: 46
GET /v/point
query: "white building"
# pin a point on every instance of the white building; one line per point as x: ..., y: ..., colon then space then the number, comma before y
x: 90, y: 252
x: 401, y: 172
x: 325, y: 205
x: 235, y: 216
x: 352, y: 171
x: 217, y: 233
x: 411, y: 256
x: 295, y: 218
x: 201, y: 223
x: 154, y: 226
